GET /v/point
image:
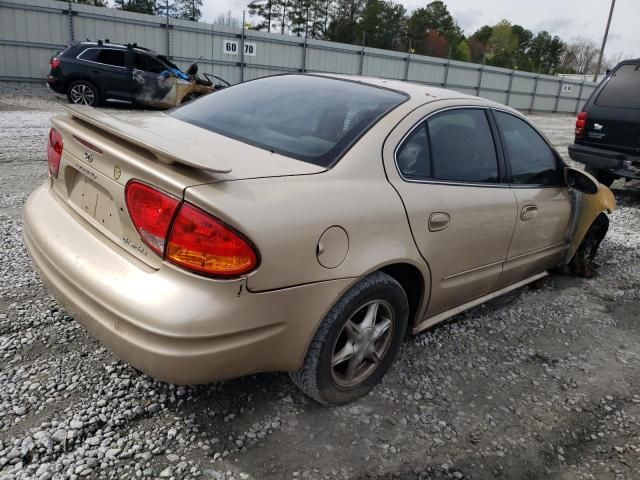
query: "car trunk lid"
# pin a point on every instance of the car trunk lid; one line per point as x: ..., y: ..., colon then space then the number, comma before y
x: 102, y: 152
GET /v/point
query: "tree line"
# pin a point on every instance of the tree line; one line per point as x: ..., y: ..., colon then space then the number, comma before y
x: 430, y: 30
x: 182, y: 9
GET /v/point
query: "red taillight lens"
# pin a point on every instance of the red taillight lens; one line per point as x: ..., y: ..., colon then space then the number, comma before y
x: 203, y: 244
x: 151, y: 212
x: 54, y: 62
x: 581, y: 123
x: 54, y: 152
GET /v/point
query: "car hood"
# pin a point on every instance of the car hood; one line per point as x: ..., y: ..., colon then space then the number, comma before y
x: 173, y: 141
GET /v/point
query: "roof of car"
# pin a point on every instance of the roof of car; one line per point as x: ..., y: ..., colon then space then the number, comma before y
x: 416, y: 91
x: 123, y: 46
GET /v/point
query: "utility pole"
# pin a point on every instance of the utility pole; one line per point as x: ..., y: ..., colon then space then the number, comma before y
x: 604, y: 42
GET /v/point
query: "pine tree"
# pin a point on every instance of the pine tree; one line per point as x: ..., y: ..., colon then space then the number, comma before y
x: 189, y: 9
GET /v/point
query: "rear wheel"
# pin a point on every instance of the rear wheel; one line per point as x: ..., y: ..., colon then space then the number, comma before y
x: 604, y: 177
x: 356, y: 342
x: 83, y: 92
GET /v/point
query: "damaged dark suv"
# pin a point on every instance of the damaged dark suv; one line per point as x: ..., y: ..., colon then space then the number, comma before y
x: 607, y: 136
x: 90, y: 73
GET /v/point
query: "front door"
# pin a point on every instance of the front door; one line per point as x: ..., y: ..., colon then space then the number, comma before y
x: 154, y: 85
x: 540, y: 238
x: 449, y: 176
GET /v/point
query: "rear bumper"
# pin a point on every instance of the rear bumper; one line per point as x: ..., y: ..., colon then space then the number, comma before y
x: 55, y: 84
x: 620, y: 164
x: 173, y: 325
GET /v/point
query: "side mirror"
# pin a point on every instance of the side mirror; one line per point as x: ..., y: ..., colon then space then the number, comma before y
x: 581, y: 181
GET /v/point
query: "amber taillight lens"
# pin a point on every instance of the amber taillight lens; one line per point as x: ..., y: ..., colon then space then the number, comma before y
x: 201, y: 243
x: 186, y: 235
x: 151, y: 212
x: 581, y: 123
x: 54, y: 152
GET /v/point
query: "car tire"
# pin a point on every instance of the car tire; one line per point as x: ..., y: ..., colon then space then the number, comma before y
x: 370, y: 321
x: 582, y: 264
x: 604, y: 177
x: 83, y: 92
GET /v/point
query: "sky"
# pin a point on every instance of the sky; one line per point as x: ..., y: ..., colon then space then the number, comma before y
x: 566, y: 18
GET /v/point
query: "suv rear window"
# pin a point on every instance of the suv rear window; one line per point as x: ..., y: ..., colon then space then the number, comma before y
x: 622, y: 89
x: 310, y: 118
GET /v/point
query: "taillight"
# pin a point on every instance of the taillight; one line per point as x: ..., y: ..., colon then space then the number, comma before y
x: 151, y: 212
x: 54, y: 62
x: 54, y: 152
x: 581, y: 123
x: 203, y: 244
x: 187, y: 236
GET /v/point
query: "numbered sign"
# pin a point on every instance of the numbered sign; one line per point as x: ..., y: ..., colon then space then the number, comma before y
x: 250, y: 49
x: 230, y: 47
x: 567, y: 87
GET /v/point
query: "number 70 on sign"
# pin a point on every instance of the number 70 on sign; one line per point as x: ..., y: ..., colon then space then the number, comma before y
x: 232, y: 47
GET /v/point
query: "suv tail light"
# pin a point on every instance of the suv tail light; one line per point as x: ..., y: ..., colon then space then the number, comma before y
x: 187, y: 236
x: 54, y: 62
x: 581, y: 123
x: 54, y: 152
x: 151, y: 212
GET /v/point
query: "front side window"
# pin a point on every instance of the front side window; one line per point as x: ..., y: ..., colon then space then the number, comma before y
x: 532, y: 160
x: 310, y: 118
x: 147, y: 63
x: 455, y: 145
x: 622, y: 89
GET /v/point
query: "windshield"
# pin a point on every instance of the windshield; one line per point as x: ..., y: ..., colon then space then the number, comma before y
x: 310, y: 118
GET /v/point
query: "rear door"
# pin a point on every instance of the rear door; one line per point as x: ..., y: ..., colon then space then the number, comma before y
x: 448, y: 174
x: 544, y: 205
x: 107, y: 68
x: 613, y: 120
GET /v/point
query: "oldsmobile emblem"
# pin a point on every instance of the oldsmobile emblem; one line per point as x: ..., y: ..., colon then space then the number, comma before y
x: 88, y: 157
x: 597, y: 126
x: 117, y: 171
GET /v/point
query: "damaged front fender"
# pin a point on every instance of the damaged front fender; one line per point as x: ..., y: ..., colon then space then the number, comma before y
x: 588, y: 208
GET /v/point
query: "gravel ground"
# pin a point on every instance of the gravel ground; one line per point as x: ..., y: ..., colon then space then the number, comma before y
x: 541, y: 383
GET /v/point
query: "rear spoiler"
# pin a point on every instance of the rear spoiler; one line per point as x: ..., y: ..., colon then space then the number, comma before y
x: 163, y: 148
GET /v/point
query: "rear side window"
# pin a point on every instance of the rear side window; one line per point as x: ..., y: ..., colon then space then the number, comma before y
x: 455, y: 145
x: 307, y: 117
x: 622, y: 89
x: 532, y: 160
x: 107, y: 56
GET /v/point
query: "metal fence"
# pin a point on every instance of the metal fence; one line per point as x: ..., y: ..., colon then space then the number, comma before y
x: 31, y: 31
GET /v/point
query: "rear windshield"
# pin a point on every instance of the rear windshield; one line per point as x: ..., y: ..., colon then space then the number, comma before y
x: 310, y: 118
x: 622, y: 89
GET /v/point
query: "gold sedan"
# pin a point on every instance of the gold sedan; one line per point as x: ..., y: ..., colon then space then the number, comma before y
x: 300, y: 223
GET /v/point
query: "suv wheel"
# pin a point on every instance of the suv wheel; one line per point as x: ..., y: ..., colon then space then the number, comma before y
x: 604, y: 177
x: 356, y: 342
x: 82, y: 92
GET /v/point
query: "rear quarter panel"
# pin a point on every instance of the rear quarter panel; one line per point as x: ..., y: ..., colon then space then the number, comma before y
x: 286, y: 216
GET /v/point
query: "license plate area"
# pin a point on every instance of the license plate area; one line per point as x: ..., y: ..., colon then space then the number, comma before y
x: 94, y: 201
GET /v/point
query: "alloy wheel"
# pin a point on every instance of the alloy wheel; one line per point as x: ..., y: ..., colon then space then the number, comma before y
x: 82, y: 95
x: 362, y: 343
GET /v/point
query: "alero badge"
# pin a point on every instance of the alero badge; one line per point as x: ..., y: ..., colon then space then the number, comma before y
x: 117, y: 171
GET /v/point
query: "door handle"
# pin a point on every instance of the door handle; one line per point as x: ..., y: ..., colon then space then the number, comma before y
x: 438, y: 221
x: 529, y: 212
